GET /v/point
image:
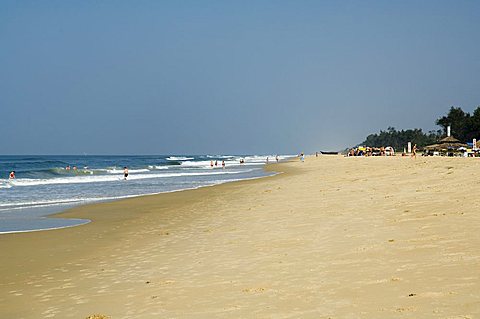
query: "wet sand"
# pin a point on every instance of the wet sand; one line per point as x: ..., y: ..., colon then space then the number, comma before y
x: 333, y: 237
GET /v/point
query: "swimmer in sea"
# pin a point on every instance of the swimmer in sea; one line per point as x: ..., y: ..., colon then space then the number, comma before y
x: 125, y: 172
x: 12, y: 175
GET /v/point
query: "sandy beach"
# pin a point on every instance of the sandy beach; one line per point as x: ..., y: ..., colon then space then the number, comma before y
x: 333, y: 237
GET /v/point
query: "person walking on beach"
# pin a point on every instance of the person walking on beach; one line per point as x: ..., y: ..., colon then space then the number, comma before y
x: 11, y: 175
x: 276, y: 158
x: 125, y: 172
x: 414, y: 151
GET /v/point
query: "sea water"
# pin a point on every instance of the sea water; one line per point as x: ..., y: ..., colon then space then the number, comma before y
x: 49, y: 184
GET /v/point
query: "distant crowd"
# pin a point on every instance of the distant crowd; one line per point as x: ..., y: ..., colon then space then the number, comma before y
x: 371, y: 151
x: 378, y: 151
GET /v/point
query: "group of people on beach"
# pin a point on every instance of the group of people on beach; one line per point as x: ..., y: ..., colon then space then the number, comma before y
x: 371, y: 151
x: 378, y: 151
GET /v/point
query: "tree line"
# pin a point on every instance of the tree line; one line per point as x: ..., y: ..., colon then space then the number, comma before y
x: 464, y: 127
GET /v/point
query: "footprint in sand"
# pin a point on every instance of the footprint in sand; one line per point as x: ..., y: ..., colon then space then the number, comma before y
x: 254, y: 290
x: 403, y: 309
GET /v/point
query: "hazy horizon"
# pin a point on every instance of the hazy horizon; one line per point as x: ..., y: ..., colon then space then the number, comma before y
x: 216, y: 77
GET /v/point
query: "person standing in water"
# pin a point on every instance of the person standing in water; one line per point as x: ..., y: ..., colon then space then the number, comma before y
x: 223, y: 164
x: 11, y: 175
x: 125, y: 172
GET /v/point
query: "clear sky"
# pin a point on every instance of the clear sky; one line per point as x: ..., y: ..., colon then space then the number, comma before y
x: 217, y: 77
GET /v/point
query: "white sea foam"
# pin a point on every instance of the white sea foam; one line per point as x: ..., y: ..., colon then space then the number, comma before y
x: 208, y: 164
x: 130, y: 171
x: 231, y: 161
x: 79, y: 222
x: 180, y: 158
x: 150, y: 167
x: 4, y: 206
x: 220, y: 156
x: 196, y: 164
x: 113, y: 178
x: 56, y: 202
x: 5, y: 184
x: 62, y: 202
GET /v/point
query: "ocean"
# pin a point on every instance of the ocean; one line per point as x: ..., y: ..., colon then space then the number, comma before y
x: 45, y: 185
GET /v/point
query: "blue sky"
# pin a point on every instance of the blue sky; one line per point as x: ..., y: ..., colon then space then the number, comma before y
x: 196, y: 77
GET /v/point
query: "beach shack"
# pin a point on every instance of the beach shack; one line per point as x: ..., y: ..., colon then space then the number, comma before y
x: 448, y: 146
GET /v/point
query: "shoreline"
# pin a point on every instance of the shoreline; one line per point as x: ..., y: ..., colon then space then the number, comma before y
x: 325, y: 238
x: 58, y: 214
x: 68, y: 212
x: 45, y: 229
x: 68, y: 207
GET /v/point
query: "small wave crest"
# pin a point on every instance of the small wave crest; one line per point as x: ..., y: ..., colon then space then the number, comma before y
x: 179, y: 158
x: 63, y: 171
x: 196, y: 164
x: 120, y: 171
x: 5, y: 184
x: 152, y: 167
x: 56, y: 202
x: 111, y: 178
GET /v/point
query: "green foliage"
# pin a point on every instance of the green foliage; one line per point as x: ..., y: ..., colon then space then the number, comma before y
x: 464, y: 126
x: 399, y: 139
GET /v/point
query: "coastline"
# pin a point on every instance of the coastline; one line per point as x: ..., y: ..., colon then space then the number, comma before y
x: 325, y: 238
x: 77, y: 242
x: 33, y: 214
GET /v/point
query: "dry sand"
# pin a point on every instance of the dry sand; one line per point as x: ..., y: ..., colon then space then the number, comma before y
x: 332, y: 237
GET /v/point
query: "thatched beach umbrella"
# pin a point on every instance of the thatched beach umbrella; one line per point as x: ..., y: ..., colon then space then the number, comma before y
x: 445, y: 144
x: 450, y: 139
x: 432, y: 147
